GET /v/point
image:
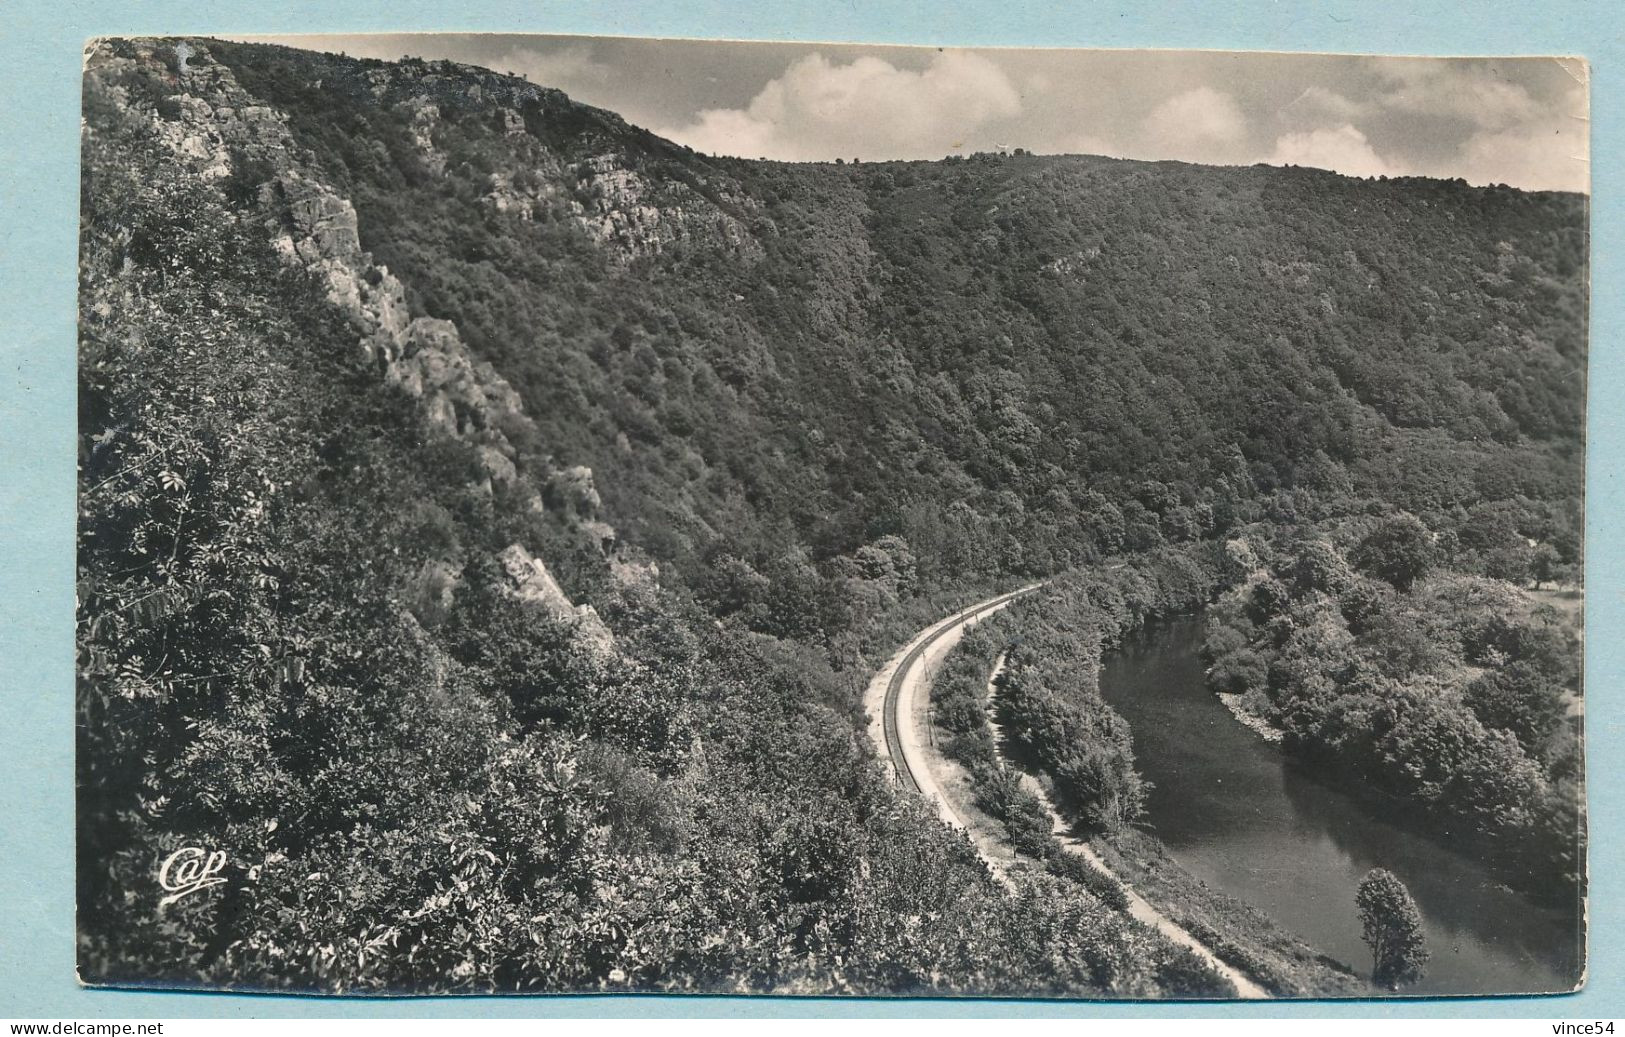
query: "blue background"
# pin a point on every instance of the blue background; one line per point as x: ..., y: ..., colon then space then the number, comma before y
x: 40, y: 46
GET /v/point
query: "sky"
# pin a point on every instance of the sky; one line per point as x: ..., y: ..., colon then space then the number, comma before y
x: 1519, y: 121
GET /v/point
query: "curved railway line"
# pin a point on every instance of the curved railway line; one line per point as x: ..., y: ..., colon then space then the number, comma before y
x: 892, y: 694
x: 902, y: 666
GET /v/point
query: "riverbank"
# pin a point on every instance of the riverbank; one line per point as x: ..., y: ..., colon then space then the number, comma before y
x: 1011, y: 806
x: 905, y: 734
x: 1279, y: 838
x: 1244, y: 941
x: 1526, y: 873
x: 1138, y: 907
x: 1250, y: 720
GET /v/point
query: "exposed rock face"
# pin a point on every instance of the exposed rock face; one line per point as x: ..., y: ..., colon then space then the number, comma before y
x: 213, y: 124
x: 462, y: 396
x: 424, y: 115
x: 529, y: 580
x: 322, y: 227
x: 624, y: 212
x: 505, y: 197
x: 214, y: 127
x: 636, y: 217
x: 1073, y: 264
x: 572, y: 492
x: 497, y: 465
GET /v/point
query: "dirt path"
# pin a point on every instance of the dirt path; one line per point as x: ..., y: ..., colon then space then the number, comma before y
x: 1138, y: 907
x: 897, y: 701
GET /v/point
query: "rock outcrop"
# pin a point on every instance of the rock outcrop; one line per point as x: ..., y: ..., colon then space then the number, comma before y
x: 572, y: 491
x: 529, y: 580
x: 214, y: 127
x: 424, y: 114
x: 627, y: 212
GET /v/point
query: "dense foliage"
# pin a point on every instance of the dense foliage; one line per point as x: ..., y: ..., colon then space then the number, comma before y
x: 959, y: 706
x: 1455, y: 695
x: 1048, y: 692
x: 1049, y: 700
x: 1016, y: 364
x: 819, y: 403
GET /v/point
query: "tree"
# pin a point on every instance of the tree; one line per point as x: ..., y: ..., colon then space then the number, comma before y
x: 1544, y: 564
x: 1513, y: 563
x: 1400, y: 550
x: 1392, y: 929
x: 1521, y: 699
x: 1270, y: 598
x: 1318, y: 567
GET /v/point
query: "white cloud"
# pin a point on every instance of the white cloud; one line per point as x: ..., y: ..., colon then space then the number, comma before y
x: 1342, y: 149
x: 1468, y: 91
x: 1200, y: 125
x: 1514, y: 138
x: 1319, y: 105
x: 1442, y: 118
x: 1533, y: 156
x: 822, y: 110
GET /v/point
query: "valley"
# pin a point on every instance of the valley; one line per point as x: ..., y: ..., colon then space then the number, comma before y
x: 544, y: 558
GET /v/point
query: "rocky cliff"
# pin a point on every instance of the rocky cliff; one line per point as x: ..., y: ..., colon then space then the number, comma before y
x: 217, y: 130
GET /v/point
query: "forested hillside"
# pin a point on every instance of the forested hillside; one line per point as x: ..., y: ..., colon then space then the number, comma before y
x: 489, y: 511
x: 1088, y: 355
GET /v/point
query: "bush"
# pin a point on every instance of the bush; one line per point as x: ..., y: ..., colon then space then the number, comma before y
x: 1399, y: 550
x: 1239, y: 672
x: 1079, y: 740
x: 1102, y: 886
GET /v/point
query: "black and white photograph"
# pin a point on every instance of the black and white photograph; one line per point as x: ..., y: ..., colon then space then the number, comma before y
x: 601, y: 515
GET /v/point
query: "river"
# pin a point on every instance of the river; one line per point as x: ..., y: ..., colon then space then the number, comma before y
x: 1236, y: 814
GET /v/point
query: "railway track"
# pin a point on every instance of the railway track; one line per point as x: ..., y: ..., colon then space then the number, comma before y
x: 903, y: 666
x: 892, y: 693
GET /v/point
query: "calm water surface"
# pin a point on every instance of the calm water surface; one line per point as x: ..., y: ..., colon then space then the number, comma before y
x: 1231, y: 810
